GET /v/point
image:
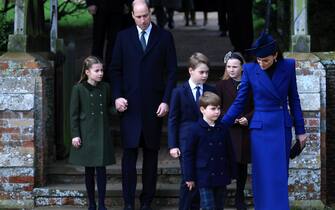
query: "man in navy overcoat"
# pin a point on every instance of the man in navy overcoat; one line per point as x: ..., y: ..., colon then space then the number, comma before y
x: 143, y: 73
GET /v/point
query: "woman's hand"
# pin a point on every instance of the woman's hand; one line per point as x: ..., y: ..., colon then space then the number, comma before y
x: 76, y: 142
x: 302, y: 138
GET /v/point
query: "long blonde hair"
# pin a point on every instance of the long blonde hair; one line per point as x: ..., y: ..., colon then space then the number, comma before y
x: 87, y: 64
x: 232, y: 55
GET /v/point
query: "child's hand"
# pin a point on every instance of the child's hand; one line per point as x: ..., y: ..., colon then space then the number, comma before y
x: 76, y: 142
x: 243, y: 121
x: 190, y: 185
x: 175, y: 152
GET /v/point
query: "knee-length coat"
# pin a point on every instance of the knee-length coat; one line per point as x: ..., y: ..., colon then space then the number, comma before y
x: 239, y: 134
x: 270, y: 129
x: 89, y: 119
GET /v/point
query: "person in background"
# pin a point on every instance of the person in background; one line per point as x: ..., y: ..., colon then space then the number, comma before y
x: 227, y: 89
x: 272, y: 80
x: 92, y: 145
x: 107, y: 21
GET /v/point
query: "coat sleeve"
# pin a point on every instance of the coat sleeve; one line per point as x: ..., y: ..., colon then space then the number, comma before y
x: 173, y: 120
x: 171, y: 62
x: 189, y: 156
x: 294, y: 103
x: 115, y: 69
x: 239, y: 103
x: 75, y: 112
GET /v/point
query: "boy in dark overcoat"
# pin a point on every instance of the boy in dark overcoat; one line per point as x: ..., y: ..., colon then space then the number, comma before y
x: 184, y: 111
x: 208, y: 156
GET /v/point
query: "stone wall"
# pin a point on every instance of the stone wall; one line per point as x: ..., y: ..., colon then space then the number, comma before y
x: 23, y: 131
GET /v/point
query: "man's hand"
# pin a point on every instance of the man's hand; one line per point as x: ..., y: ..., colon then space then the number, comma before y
x: 121, y: 104
x: 175, y: 152
x: 162, y: 110
x: 190, y: 185
x: 76, y: 142
x: 302, y: 138
x: 92, y: 9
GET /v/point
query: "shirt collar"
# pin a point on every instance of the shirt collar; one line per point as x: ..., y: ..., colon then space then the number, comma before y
x: 193, y: 85
x: 147, y: 31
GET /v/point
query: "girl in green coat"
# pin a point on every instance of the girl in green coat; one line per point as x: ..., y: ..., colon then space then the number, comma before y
x: 91, y: 139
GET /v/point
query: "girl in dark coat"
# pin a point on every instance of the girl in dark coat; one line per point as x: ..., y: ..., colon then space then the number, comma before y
x: 91, y: 139
x: 227, y: 89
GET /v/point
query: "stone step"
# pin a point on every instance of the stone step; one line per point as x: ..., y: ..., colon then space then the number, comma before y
x: 75, y: 195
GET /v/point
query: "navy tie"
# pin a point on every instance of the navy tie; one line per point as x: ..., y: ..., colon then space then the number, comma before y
x: 143, y: 43
x: 197, y: 94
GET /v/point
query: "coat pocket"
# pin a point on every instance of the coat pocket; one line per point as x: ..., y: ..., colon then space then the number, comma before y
x: 256, y: 125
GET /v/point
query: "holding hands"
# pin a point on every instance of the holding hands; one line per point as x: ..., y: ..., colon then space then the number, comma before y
x: 242, y: 121
x: 121, y: 104
x: 76, y: 142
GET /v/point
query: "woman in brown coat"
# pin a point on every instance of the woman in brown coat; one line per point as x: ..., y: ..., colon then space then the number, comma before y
x: 227, y: 89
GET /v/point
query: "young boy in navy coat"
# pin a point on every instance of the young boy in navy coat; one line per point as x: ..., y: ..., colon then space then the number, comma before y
x: 184, y: 111
x: 208, y: 155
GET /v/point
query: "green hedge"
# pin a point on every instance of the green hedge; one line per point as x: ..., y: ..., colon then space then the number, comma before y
x: 5, y: 29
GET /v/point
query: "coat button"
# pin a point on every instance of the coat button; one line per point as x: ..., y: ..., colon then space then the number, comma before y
x: 91, y: 95
x: 210, y: 144
x: 92, y: 104
x: 208, y: 129
x: 100, y: 95
x: 221, y: 173
x: 212, y: 158
x: 101, y: 112
x: 280, y: 107
x: 213, y: 174
x: 100, y: 104
x: 92, y: 113
x: 221, y: 158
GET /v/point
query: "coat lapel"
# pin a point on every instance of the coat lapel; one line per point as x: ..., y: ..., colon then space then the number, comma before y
x: 189, y: 95
x: 153, y: 38
x: 135, y: 39
x: 266, y: 82
x: 279, y: 76
x: 231, y: 88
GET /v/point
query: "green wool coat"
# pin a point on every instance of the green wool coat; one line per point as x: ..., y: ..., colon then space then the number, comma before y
x: 89, y: 119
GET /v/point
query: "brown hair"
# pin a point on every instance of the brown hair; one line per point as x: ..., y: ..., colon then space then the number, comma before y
x: 196, y: 59
x: 209, y: 98
x: 235, y: 55
x: 87, y: 64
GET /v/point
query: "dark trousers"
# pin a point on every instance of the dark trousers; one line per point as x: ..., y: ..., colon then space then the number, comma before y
x: 242, y: 173
x: 188, y: 200
x: 129, y: 175
x: 240, y: 24
x: 212, y: 198
x: 106, y: 25
x: 222, y: 15
x: 90, y: 186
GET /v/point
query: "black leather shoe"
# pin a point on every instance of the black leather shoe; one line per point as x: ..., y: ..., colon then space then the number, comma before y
x: 146, y: 207
x: 241, y: 206
x: 128, y: 207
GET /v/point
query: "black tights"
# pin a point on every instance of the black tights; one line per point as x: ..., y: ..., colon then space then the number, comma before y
x: 101, y: 184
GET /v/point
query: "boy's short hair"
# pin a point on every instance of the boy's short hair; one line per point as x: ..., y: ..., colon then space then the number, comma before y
x: 196, y: 59
x: 209, y: 98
